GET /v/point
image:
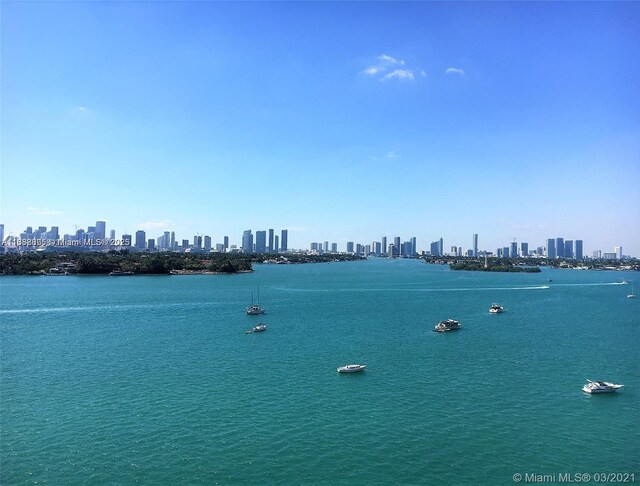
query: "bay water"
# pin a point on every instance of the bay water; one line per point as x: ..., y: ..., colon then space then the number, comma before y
x: 153, y: 380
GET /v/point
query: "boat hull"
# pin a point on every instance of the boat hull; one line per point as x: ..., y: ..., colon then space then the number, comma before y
x: 351, y: 369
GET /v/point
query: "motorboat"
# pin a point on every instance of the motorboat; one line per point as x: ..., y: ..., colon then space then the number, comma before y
x: 120, y: 273
x: 351, y: 368
x: 496, y: 309
x: 600, y: 387
x: 260, y: 328
x: 632, y: 295
x: 447, y: 325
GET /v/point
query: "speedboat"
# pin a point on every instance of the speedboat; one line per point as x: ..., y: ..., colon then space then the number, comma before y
x: 496, y: 309
x: 352, y: 368
x: 447, y: 325
x: 260, y: 327
x: 600, y: 387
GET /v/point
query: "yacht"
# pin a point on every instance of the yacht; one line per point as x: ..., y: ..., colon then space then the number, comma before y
x: 447, y: 325
x: 120, y: 273
x: 600, y: 387
x: 260, y: 327
x: 496, y: 309
x: 352, y: 368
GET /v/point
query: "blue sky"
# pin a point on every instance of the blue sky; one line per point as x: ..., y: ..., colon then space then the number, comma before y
x: 340, y: 121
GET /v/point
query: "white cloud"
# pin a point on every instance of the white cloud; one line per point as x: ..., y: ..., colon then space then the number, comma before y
x: 399, y: 74
x: 453, y: 70
x: 43, y: 211
x: 392, y: 154
x: 384, y: 62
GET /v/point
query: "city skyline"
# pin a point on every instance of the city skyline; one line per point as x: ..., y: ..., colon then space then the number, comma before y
x: 557, y: 247
x: 339, y: 121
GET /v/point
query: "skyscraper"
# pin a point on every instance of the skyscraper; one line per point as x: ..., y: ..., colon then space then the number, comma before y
x: 226, y: 243
x: 207, y: 243
x: 349, y: 246
x: 551, y: 248
x: 414, y: 246
x: 270, y: 245
x: 560, y: 247
x: 101, y: 229
x: 396, y: 246
x: 283, y: 240
x: 172, y: 242
x: 276, y: 244
x: 261, y: 241
x: 141, y: 238
x: 334, y: 248
x: 383, y: 244
x: 1, y: 234
x: 475, y: 245
x: 247, y: 242
x: 568, y: 248
x: 618, y: 251
x: 513, y: 253
x: 579, y: 254
x: 524, y: 249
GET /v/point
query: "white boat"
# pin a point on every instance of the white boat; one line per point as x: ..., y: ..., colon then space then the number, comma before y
x: 255, y: 309
x: 260, y: 327
x: 600, y: 387
x: 447, y: 325
x: 351, y: 368
x: 496, y: 309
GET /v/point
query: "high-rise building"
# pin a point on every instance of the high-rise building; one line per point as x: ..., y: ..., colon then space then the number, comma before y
x: 579, y: 250
x: 618, y: 251
x: 437, y: 248
x: 126, y: 240
x: 475, y: 245
x: 166, y: 240
x: 551, y: 248
x: 283, y: 240
x: 597, y: 254
x: 261, y: 241
x: 513, y: 252
x: 560, y: 247
x: 414, y: 246
x: 524, y: 249
x: 270, y: 244
x: 568, y: 248
x: 225, y: 242
x: 197, y: 242
x: 247, y: 242
x: 349, y: 246
x: 334, y: 248
x: 207, y: 243
x: 383, y: 244
x: 112, y: 234
x: 1, y: 234
x: 172, y: 241
x: 101, y: 229
x: 276, y: 244
x: 325, y: 247
x: 141, y: 238
x: 377, y: 248
x: 151, y: 244
x: 396, y: 246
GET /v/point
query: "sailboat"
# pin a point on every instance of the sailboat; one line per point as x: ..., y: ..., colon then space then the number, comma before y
x: 255, y: 309
x: 631, y: 295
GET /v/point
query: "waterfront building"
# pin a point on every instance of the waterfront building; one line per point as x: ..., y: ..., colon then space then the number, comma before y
x: 207, y: 243
x: 276, y: 244
x: 383, y: 245
x: 283, y: 240
x: 377, y: 248
x: 141, y: 237
x: 1, y: 234
x: 568, y: 248
x: 414, y: 246
x: 359, y: 249
x: 247, y: 242
x: 475, y: 245
x: 609, y: 256
x: 314, y: 247
x: 597, y: 254
x: 524, y: 249
x: 261, y: 241
x: 396, y: 246
x: 560, y: 247
x: 367, y: 249
x: 270, y: 242
x: 334, y: 248
x: 551, y: 248
x: 349, y: 246
x: 618, y: 251
x: 579, y: 251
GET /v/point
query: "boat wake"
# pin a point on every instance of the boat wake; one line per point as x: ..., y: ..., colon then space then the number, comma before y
x: 394, y: 289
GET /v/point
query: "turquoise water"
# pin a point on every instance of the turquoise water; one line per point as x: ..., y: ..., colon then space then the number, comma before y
x: 152, y: 380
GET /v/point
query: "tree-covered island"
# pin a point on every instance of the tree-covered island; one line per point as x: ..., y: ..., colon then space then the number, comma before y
x: 144, y: 263
x: 493, y: 265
